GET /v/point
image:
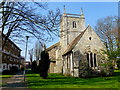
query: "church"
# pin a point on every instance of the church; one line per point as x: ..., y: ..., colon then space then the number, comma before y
x: 79, y: 51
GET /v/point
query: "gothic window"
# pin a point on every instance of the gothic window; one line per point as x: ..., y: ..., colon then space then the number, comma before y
x: 91, y: 60
x: 95, y: 63
x: 67, y: 62
x: 88, y: 57
x: 74, y: 24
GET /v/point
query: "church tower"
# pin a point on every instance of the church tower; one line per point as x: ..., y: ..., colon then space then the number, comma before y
x: 71, y: 26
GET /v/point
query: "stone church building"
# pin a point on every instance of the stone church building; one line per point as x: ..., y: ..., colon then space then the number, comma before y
x: 79, y: 51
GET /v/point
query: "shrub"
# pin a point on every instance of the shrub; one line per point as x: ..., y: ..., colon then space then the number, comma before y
x: 37, y: 70
x: 118, y: 63
x: 67, y: 75
x: 34, y: 65
x: 6, y: 72
x: 22, y: 68
x: 14, y: 69
x: 103, y: 73
x: 44, y: 64
x: 85, y: 70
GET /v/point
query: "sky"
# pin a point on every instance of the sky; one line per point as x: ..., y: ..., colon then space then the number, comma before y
x: 92, y: 11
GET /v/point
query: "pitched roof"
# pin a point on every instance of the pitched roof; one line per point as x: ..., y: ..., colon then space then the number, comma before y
x: 74, y: 42
x: 51, y: 47
x: 3, y: 36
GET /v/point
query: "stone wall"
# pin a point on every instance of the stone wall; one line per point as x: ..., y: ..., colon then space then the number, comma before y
x: 87, y: 56
x: 58, y: 67
x: 54, y: 54
x: 52, y: 51
x: 90, y: 43
x: 52, y: 65
x: 68, y: 32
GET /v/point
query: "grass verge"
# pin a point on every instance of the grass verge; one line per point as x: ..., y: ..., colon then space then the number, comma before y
x: 59, y: 81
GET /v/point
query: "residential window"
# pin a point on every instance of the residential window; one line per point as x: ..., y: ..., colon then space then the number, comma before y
x: 3, y: 66
x: 11, y: 45
x: 3, y: 39
x: 5, y: 57
x: 10, y: 58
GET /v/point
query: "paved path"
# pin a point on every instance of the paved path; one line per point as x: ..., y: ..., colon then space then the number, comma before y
x: 16, y: 81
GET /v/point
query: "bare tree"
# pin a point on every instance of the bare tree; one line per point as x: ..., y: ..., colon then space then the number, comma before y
x: 31, y: 55
x: 37, y: 50
x: 22, y: 18
x: 104, y: 29
x: 107, y: 28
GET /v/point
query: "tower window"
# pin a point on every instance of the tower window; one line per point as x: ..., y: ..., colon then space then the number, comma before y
x: 74, y: 24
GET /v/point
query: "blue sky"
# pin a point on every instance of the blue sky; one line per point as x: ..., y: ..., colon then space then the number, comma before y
x: 92, y: 11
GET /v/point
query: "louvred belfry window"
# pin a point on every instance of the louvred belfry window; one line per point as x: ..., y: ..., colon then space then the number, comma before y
x: 74, y: 24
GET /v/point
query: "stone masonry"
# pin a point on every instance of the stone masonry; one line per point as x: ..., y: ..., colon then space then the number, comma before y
x: 79, y: 52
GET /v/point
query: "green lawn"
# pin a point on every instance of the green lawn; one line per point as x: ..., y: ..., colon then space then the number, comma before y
x: 5, y: 76
x: 60, y: 81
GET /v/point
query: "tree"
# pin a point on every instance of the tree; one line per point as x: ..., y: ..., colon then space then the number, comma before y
x: 37, y: 50
x: 34, y: 66
x: 44, y: 64
x: 107, y: 29
x: 31, y: 55
x: 116, y: 32
x: 22, y: 18
x: 104, y: 29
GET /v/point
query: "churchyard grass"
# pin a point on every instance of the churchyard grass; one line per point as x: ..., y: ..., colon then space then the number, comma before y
x: 5, y: 76
x: 59, y: 81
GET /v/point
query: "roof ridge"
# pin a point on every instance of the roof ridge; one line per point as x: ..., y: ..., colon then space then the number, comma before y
x: 56, y: 44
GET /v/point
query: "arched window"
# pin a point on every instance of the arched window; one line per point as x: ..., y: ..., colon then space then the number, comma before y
x: 95, y: 63
x: 88, y: 58
x: 74, y: 24
x: 91, y: 60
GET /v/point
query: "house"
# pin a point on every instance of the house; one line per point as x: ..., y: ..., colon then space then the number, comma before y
x: 22, y: 62
x: 10, y: 55
x: 79, y: 51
